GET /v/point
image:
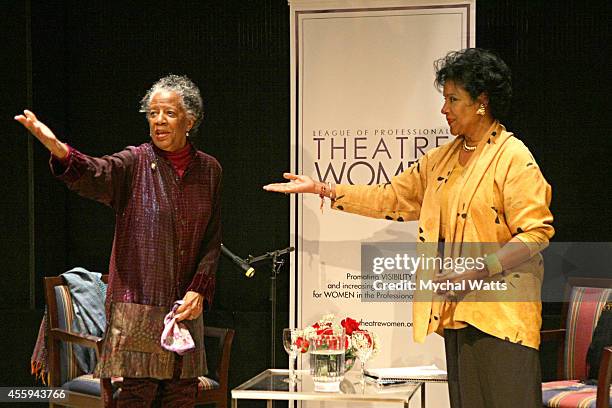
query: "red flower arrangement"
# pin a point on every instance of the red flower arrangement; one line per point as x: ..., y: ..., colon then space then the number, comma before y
x: 326, y: 325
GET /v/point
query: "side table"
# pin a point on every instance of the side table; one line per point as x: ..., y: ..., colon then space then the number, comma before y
x: 269, y: 385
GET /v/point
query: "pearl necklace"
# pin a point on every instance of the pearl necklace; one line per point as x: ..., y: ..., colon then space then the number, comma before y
x: 468, y: 148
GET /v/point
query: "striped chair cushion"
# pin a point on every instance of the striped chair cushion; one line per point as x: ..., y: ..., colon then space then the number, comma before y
x: 585, y: 308
x: 87, y: 384
x: 569, y: 394
x: 65, y: 319
x: 84, y: 384
x: 206, y: 383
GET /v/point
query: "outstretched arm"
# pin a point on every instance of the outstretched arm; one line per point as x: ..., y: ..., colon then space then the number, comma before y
x: 400, y: 199
x: 43, y: 134
x: 103, y: 179
x: 299, y: 184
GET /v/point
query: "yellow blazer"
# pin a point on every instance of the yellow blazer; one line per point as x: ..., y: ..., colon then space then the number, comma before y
x: 502, y: 195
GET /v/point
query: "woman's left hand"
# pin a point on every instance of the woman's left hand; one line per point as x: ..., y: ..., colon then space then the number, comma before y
x: 191, y: 308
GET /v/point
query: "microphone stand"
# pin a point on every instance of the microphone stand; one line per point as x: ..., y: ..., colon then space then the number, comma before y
x: 277, y: 264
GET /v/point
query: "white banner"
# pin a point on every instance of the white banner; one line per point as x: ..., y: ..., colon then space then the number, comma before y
x: 364, y: 107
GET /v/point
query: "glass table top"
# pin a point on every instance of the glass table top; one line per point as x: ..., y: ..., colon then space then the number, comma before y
x: 269, y: 385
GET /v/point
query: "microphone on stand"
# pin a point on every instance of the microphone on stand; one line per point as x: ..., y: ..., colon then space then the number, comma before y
x: 249, y: 271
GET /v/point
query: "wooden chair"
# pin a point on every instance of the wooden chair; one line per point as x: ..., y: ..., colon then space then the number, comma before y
x: 214, y: 389
x: 82, y: 390
x: 586, y: 298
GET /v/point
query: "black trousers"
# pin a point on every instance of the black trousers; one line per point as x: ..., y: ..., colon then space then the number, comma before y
x: 152, y: 393
x: 487, y: 372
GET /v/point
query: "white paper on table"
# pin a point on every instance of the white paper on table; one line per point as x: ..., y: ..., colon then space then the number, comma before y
x: 425, y: 373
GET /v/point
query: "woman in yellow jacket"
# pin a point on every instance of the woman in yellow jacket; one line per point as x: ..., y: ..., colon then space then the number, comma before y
x: 480, y: 194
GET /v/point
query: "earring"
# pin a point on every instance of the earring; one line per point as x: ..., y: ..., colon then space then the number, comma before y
x: 187, y: 134
x: 481, y: 110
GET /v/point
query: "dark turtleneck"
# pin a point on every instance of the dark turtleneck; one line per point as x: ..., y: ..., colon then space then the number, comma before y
x: 180, y: 159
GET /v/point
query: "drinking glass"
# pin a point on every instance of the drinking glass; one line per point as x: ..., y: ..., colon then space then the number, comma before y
x: 363, y: 342
x: 291, y: 341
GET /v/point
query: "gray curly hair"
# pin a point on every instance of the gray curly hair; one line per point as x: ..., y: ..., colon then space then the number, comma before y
x: 188, y: 92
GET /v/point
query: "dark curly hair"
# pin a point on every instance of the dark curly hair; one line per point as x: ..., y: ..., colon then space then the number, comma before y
x: 478, y: 71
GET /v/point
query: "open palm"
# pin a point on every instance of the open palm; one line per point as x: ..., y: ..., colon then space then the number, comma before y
x: 297, y: 184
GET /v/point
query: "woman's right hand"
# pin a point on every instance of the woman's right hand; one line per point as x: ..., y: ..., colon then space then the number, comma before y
x: 42, y: 133
x: 297, y: 184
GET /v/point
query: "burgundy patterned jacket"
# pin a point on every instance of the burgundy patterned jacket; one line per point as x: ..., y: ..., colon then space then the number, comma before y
x: 167, y: 239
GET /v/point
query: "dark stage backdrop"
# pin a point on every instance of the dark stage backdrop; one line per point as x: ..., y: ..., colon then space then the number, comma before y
x: 91, y: 62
